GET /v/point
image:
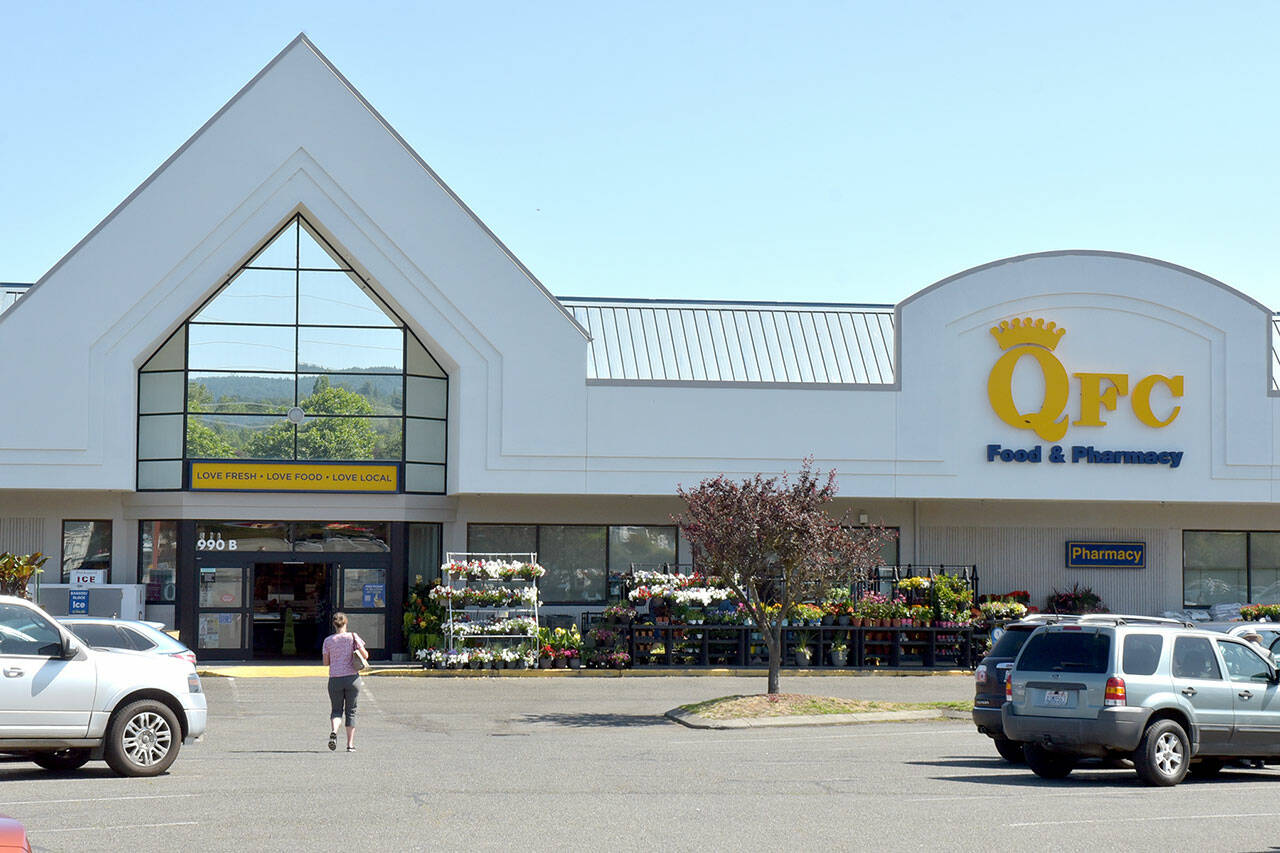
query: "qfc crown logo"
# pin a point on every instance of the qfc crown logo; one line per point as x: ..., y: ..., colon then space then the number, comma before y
x: 1025, y: 338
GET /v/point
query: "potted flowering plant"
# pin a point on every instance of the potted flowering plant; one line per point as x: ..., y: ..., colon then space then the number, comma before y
x: 619, y: 614
x: 619, y: 659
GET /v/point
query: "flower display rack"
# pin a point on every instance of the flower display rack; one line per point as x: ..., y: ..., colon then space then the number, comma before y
x: 492, y: 608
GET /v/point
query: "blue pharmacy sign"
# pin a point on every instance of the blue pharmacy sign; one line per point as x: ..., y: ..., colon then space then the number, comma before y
x: 78, y: 602
x: 1106, y: 555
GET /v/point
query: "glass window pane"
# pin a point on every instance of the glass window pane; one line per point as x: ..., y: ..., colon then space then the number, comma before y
x: 239, y: 437
x: 364, y: 589
x: 172, y: 354
x: 1213, y: 567
x: 160, y: 437
x: 338, y: 438
x: 424, y: 478
x: 502, y: 539
x: 649, y: 548
x: 371, y: 627
x: 324, y: 350
x: 217, y: 536
x: 574, y: 557
x: 378, y: 395
x: 254, y: 296
x: 1264, y: 564
x: 419, y: 360
x: 160, y: 392
x: 222, y: 588
x: 1193, y: 658
x: 426, y: 398
x: 314, y: 251
x: 219, y: 631
x: 282, y: 251
x: 158, y: 560
x: 26, y: 632
x: 425, y: 554
x: 242, y: 348
x: 341, y: 537
x: 240, y: 393
x: 160, y: 475
x: 85, y: 545
x: 100, y: 635
x: 337, y: 299
x: 424, y: 440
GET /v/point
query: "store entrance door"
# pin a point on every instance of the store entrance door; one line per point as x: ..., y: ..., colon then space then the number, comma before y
x: 292, y: 604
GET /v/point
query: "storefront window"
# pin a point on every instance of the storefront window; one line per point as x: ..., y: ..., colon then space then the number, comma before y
x: 158, y: 560
x: 294, y: 329
x: 1264, y: 568
x: 645, y: 547
x: 85, y: 545
x: 342, y: 537
x: 1215, y: 567
x: 502, y: 539
x: 575, y: 559
x: 425, y: 554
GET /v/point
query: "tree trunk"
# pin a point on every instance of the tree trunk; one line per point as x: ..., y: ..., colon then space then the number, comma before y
x: 775, y: 656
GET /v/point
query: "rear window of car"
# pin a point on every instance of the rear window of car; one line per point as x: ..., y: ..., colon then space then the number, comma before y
x: 1142, y: 653
x: 1010, y: 643
x: 1066, y: 651
x: 99, y: 635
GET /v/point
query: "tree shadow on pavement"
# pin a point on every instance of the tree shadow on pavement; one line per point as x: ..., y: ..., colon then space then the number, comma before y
x: 597, y: 720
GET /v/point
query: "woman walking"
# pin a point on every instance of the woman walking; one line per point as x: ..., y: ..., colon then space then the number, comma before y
x: 340, y: 648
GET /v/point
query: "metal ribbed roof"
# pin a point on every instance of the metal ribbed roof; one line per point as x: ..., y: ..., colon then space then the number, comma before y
x: 757, y: 342
x: 9, y: 293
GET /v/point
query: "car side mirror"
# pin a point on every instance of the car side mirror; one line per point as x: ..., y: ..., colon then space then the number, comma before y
x: 69, y: 648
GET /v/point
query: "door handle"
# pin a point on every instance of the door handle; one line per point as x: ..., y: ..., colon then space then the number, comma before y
x: 1245, y: 694
x: 12, y: 672
x: 1188, y: 691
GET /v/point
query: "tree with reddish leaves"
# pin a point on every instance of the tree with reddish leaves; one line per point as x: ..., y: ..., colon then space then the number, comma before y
x: 773, y: 542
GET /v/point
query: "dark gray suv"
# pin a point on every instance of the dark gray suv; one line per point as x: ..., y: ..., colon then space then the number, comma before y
x: 1172, y: 698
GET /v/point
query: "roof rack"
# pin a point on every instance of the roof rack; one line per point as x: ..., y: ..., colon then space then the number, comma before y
x: 1123, y: 619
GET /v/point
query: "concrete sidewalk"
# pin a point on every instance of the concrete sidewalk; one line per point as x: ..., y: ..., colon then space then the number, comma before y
x: 278, y: 670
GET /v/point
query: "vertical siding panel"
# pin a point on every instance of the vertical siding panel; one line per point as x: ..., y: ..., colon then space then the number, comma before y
x: 22, y: 535
x: 1033, y: 558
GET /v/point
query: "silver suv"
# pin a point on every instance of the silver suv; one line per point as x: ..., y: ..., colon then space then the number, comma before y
x: 1170, y: 697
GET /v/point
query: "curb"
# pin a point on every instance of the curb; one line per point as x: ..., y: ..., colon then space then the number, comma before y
x: 319, y: 671
x: 697, y: 721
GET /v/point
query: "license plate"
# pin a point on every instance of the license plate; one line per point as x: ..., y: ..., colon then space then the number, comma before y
x: 1055, y: 698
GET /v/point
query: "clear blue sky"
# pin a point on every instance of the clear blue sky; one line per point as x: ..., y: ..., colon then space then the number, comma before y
x: 848, y: 152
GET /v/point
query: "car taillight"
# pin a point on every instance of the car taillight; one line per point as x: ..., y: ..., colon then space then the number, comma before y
x: 1115, y: 692
x: 1008, y: 686
x: 188, y: 656
x: 980, y: 674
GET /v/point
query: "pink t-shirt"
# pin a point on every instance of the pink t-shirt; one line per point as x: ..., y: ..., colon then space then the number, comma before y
x: 339, y: 648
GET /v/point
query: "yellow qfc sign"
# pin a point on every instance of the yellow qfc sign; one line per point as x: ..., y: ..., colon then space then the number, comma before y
x: 1034, y: 340
x: 294, y: 477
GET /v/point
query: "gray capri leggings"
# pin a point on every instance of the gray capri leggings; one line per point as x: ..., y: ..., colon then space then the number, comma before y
x: 343, y: 690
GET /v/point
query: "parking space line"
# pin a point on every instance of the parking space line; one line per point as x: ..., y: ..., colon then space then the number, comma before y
x: 38, y: 832
x: 94, y: 799
x: 1163, y: 817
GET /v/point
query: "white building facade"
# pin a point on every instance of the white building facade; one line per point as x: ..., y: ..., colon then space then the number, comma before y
x: 293, y: 370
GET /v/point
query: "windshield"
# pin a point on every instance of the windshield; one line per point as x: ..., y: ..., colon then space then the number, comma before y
x: 1066, y: 651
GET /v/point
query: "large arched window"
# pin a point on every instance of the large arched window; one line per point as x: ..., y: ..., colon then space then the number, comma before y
x: 294, y: 359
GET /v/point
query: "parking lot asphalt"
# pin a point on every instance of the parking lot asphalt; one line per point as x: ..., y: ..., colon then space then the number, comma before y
x: 573, y: 764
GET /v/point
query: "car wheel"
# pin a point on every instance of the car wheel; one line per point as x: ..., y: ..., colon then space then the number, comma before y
x: 1206, y: 768
x: 1163, y: 754
x: 1010, y: 750
x: 63, y: 759
x: 1046, y: 764
x: 143, y: 739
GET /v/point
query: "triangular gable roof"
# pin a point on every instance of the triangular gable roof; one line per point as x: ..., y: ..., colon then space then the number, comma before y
x: 302, y: 42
